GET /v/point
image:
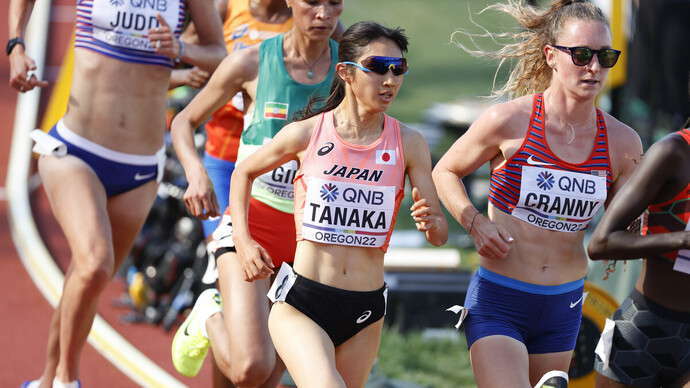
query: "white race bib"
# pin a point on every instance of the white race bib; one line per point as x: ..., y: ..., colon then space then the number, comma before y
x: 559, y: 200
x: 126, y: 23
x: 282, y: 284
x: 278, y: 182
x: 346, y: 213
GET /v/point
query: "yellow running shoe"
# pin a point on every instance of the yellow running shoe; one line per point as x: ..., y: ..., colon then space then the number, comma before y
x: 190, y: 346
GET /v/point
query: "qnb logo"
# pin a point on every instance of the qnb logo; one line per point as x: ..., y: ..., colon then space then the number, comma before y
x: 117, y: 3
x: 545, y: 180
x: 364, y: 316
x: 329, y: 192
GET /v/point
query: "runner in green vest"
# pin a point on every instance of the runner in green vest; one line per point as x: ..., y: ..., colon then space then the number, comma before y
x: 277, y: 79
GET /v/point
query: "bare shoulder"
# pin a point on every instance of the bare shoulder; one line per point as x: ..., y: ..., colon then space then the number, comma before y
x: 672, y: 148
x: 507, y: 109
x: 413, y: 141
x: 242, y: 64
x: 410, y: 134
x: 414, y: 145
x: 507, y: 118
x: 298, y: 133
x: 625, y: 148
x: 624, y: 142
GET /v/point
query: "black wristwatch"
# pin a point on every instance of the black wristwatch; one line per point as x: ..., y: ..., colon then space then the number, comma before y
x: 13, y: 42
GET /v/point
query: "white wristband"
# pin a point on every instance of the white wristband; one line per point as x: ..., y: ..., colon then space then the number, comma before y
x: 179, y: 57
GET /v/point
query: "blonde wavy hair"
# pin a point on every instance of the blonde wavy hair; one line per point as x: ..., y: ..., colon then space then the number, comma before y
x: 531, y: 74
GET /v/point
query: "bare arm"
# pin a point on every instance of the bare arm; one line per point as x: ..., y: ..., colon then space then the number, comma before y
x: 480, y: 144
x: 232, y: 75
x: 208, y: 51
x: 626, y: 152
x: 426, y: 210
x: 222, y: 8
x: 193, y: 77
x: 652, y: 182
x: 285, y: 146
x: 20, y: 63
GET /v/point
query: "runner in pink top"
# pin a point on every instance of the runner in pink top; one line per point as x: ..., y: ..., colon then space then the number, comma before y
x: 328, y: 313
x: 349, y: 194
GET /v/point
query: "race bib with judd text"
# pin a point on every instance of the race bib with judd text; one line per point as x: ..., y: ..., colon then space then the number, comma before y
x: 125, y: 23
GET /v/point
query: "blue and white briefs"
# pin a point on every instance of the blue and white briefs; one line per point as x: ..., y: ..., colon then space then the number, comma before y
x: 118, y: 172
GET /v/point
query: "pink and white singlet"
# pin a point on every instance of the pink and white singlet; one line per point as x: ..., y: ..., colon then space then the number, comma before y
x: 348, y: 194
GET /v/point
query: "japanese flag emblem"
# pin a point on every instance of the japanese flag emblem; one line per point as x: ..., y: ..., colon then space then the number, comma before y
x: 385, y: 156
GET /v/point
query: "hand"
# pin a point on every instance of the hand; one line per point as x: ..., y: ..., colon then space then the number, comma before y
x: 490, y: 239
x: 424, y: 219
x: 254, y: 259
x: 194, y: 77
x: 200, y: 197
x: 22, y: 68
x: 163, y: 40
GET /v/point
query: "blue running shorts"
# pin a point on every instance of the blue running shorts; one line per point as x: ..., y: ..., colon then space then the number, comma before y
x: 118, y: 172
x: 220, y: 172
x: 545, y: 318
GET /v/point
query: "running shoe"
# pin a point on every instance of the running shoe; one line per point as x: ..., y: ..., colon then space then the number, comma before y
x: 553, y: 379
x: 189, y: 347
x: 32, y: 383
x: 72, y: 384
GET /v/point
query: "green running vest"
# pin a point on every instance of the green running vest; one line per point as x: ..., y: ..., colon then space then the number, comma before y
x: 278, y: 97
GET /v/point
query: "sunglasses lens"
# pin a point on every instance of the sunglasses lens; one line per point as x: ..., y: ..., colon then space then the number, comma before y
x: 608, y: 57
x: 402, y: 69
x: 581, y: 55
x: 381, y: 65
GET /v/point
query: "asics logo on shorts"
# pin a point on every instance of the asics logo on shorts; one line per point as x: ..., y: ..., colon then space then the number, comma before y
x: 279, y: 290
x: 364, y: 316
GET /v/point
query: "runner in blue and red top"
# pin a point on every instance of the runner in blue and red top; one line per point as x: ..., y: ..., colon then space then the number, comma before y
x: 553, y: 166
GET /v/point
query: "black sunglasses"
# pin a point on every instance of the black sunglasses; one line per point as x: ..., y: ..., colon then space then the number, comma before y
x: 381, y: 65
x: 583, y: 55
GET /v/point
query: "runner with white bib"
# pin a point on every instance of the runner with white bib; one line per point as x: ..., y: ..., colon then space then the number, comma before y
x: 555, y: 160
x: 328, y: 308
x: 100, y: 164
x: 276, y: 78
